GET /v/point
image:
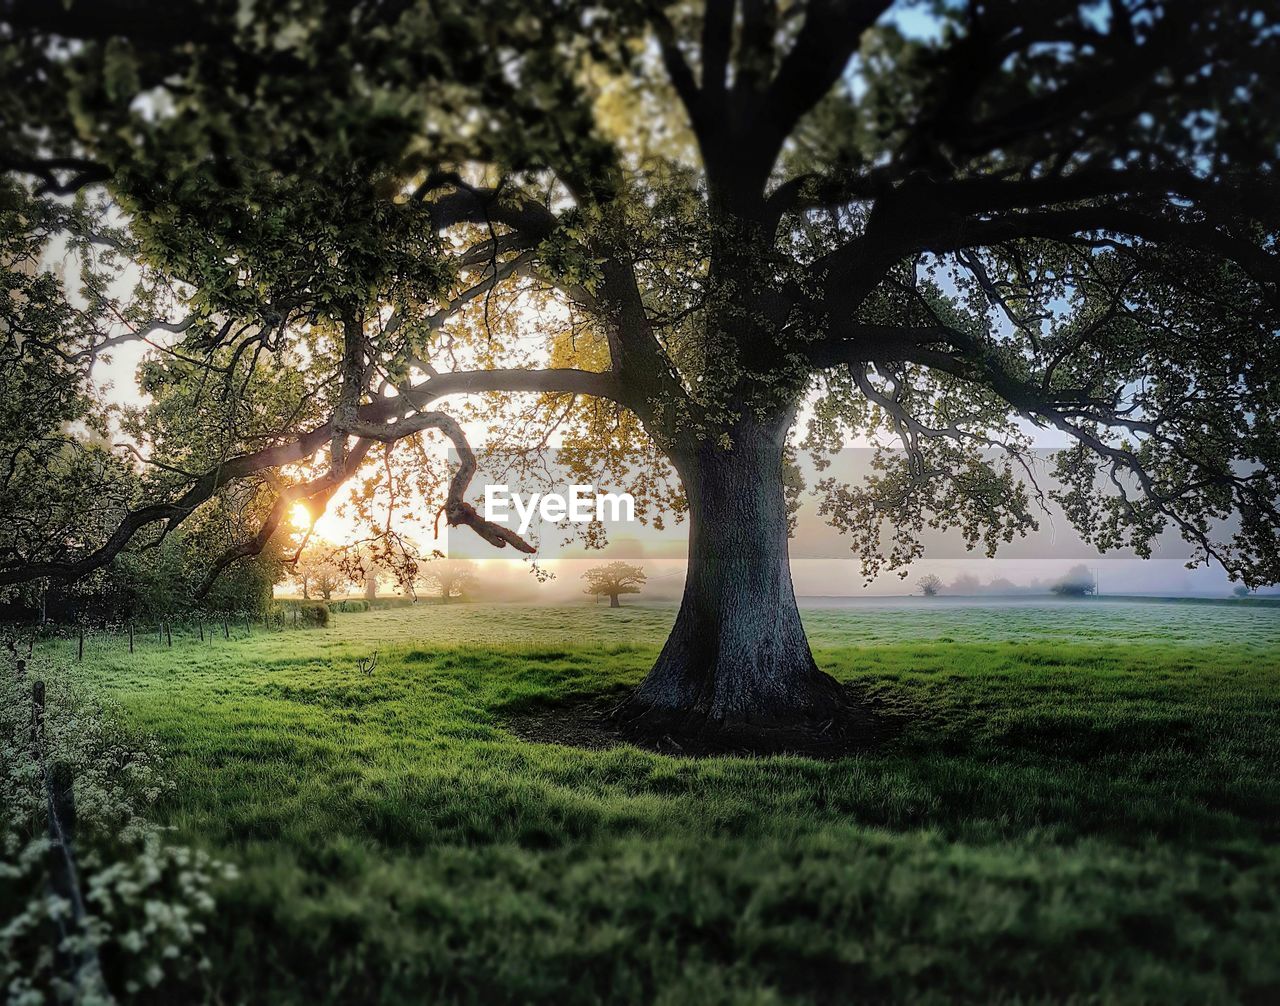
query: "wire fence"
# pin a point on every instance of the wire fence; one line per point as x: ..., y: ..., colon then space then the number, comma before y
x: 75, y: 643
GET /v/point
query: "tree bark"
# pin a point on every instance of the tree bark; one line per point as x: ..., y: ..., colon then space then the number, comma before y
x: 737, y: 668
x: 613, y: 601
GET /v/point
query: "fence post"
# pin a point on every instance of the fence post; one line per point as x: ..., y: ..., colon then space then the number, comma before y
x: 226, y: 629
x: 168, y: 633
x: 130, y: 637
x: 37, y: 716
x: 80, y: 647
x: 201, y: 626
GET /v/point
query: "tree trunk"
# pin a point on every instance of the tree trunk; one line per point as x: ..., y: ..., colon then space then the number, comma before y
x: 613, y: 601
x: 737, y: 669
x: 371, y: 588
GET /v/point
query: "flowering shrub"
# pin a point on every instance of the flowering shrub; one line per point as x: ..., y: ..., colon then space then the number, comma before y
x: 146, y: 899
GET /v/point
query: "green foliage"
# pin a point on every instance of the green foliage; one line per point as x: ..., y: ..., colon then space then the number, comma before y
x: 149, y: 900
x: 303, y: 613
x: 59, y: 479
x: 159, y: 583
x: 980, y: 848
x: 314, y: 614
x: 943, y: 238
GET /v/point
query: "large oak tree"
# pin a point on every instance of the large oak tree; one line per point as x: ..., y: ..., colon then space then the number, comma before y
x: 666, y: 227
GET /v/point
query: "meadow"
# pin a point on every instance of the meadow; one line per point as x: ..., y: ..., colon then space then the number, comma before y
x: 1078, y: 802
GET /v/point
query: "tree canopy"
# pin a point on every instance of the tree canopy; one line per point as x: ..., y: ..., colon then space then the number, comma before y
x: 930, y: 585
x: 614, y: 579
x: 1059, y: 211
x: 451, y: 577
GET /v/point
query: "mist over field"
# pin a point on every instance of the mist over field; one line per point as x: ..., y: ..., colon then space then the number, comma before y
x: 997, y: 580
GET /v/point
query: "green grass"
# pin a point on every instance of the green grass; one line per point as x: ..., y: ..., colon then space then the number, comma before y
x: 1084, y: 805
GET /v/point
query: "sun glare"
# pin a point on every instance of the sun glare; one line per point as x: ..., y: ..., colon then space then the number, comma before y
x: 300, y: 517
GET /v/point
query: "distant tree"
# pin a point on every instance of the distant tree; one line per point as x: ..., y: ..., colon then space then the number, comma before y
x: 320, y: 569
x: 1241, y: 590
x: 364, y: 570
x: 965, y: 584
x: 614, y: 579
x: 1077, y: 583
x: 452, y: 577
x: 930, y: 586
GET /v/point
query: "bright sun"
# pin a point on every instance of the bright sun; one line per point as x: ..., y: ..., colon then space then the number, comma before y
x: 300, y: 516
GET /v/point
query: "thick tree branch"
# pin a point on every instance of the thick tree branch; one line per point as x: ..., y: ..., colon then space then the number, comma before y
x: 376, y: 415
x: 677, y: 66
x: 827, y: 41
x: 317, y: 491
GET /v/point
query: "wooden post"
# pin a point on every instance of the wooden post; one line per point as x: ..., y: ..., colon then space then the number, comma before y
x: 130, y: 637
x: 62, y: 824
x: 226, y: 629
x: 168, y: 633
x: 201, y: 626
x: 37, y: 716
x: 80, y: 648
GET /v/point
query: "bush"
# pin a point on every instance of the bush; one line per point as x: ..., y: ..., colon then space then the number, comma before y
x: 387, y: 603
x: 148, y: 900
x: 349, y: 605
x: 314, y: 614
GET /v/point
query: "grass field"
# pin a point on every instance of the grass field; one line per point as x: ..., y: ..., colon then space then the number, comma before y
x: 1083, y: 804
